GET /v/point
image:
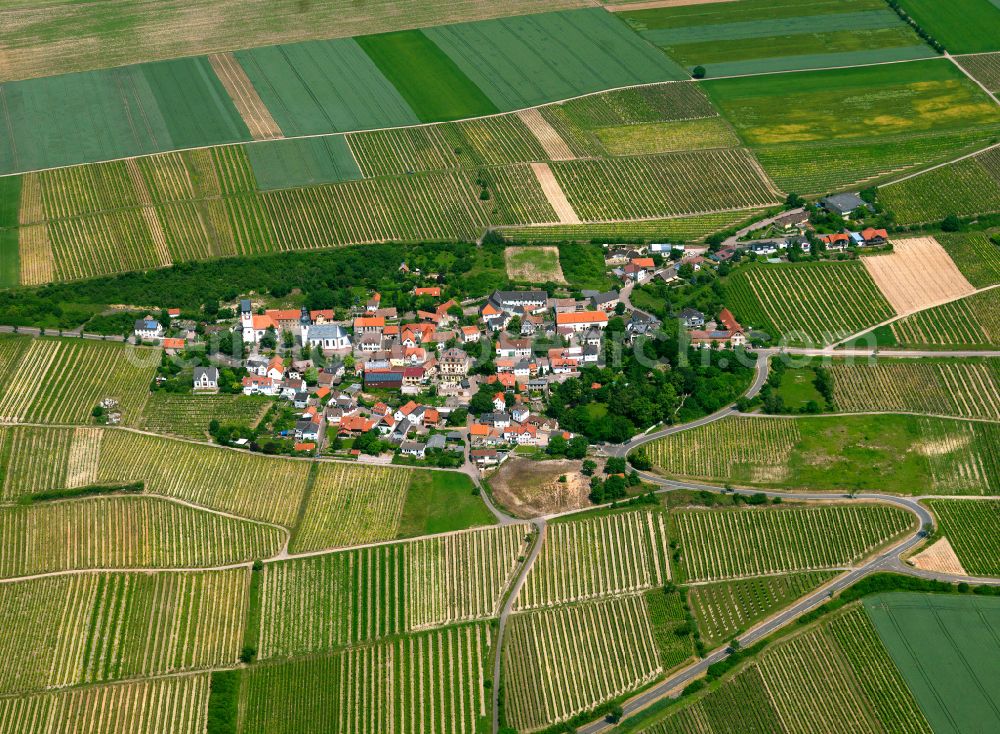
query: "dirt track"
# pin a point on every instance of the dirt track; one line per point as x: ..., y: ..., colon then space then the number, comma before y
x: 248, y: 103
x: 554, y: 193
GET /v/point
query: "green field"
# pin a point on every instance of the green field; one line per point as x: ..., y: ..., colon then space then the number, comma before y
x: 134, y: 110
x: 284, y: 164
x: 962, y: 26
x: 305, y: 99
x: 946, y: 649
x: 885, y: 453
x: 966, y: 188
x: 809, y: 304
x: 10, y: 205
x: 530, y: 60
x: 730, y: 544
x: 797, y: 389
x: 973, y: 529
x: 433, y: 85
x: 189, y: 415
x: 780, y: 691
x: 969, y: 323
x: 725, y: 609
x: 889, y: 118
x: 762, y: 36
x: 439, y: 502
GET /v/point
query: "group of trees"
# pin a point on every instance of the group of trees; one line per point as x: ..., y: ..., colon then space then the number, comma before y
x: 615, y: 483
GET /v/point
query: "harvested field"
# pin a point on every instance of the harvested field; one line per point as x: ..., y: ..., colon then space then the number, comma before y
x: 939, y: 557
x: 916, y: 275
x: 533, y: 264
x: 177, y: 705
x: 554, y: 193
x: 248, y: 103
x: 607, y: 555
x: 531, y: 488
x: 553, y: 145
x: 125, y: 532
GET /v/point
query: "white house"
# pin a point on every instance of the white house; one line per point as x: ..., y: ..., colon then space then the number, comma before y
x: 148, y: 328
x: 206, y: 379
x: 328, y: 336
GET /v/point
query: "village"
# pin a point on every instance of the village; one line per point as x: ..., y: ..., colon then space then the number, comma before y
x: 451, y: 383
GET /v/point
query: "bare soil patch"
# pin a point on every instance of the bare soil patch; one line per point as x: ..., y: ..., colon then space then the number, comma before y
x: 554, y: 193
x: 248, y: 103
x: 939, y: 557
x: 548, y: 137
x: 917, y: 274
x: 531, y: 488
x: 534, y: 264
x: 653, y: 4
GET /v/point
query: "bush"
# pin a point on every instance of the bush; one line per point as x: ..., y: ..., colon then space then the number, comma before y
x: 223, y: 701
x: 89, y: 491
x: 698, y: 72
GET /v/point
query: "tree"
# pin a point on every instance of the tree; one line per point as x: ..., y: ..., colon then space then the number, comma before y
x: 794, y: 201
x: 698, y: 72
x: 557, y: 446
x: 589, y: 467
x: 640, y: 460
x: 577, y: 447
x: 615, y: 714
x: 951, y: 223
x: 615, y: 465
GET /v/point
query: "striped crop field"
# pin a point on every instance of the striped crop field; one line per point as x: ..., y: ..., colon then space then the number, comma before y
x: 431, y: 682
x: 125, y: 532
x: 250, y: 485
x: 972, y: 322
x: 756, y: 448
x: 188, y: 416
x: 729, y: 544
x: 98, y: 627
x: 963, y: 457
x: 560, y: 662
x: 984, y: 67
x: 177, y: 704
x: 973, y: 529
x: 728, y: 608
x: 968, y: 187
x: 810, y: 304
x: 961, y: 389
x: 859, y: 689
x: 62, y: 380
x: 321, y: 602
x: 350, y: 505
x: 35, y: 459
x: 976, y: 254
x: 654, y: 230
x: 667, y: 185
x: 602, y: 556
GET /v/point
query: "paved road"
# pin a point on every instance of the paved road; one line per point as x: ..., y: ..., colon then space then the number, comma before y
x: 887, y: 560
x: 540, y: 526
x: 733, y: 239
x: 32, y: 331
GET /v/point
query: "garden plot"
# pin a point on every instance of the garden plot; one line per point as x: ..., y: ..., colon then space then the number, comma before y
x: 350, y: 504
x: 250, y: 485
x: 127, y: 533
x: 249, y: 104
x: 431, y: 683
x: 603, y: 556
x: 533, y: 264
x: 728, y: 544
x: 91, y: 628
x: 560, y: 662
x: 916, y: 275
x: 177, y: 704
x: 326, y: 601
x: 960, y: 388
